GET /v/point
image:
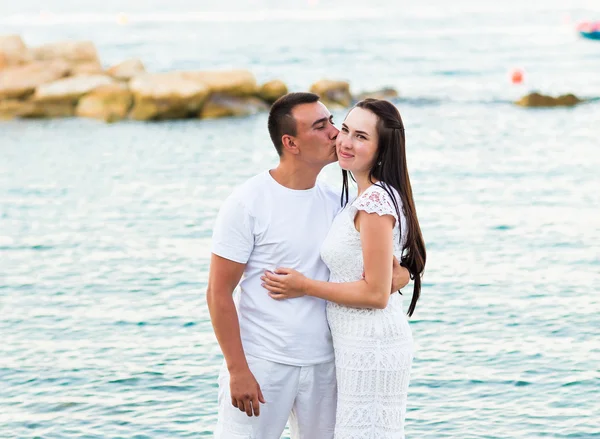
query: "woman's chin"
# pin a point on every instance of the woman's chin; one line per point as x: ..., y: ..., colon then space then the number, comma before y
x: 344, y: 164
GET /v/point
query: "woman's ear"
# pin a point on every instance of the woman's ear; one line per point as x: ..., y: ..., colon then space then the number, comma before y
x: 289, y: 144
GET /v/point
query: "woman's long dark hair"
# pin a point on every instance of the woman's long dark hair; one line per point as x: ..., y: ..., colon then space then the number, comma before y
x: 390, y: 168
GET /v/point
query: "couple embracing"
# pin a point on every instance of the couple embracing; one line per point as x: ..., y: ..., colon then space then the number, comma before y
x: 317, y: 335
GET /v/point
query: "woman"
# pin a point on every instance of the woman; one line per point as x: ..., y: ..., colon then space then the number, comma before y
x: 371, y: 336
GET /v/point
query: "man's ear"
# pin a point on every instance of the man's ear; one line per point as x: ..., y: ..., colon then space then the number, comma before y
x: 289, y: 144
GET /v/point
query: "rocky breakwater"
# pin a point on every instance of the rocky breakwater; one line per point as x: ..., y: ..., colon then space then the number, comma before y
x: 67, y: 79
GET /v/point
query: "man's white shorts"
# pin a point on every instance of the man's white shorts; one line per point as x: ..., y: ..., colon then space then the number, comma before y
x: 307, y: 395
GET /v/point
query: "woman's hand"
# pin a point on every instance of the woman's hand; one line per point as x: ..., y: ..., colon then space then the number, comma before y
x: 284, y: 283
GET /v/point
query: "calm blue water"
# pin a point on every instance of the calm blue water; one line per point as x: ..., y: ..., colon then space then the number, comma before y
x: 105, y: 229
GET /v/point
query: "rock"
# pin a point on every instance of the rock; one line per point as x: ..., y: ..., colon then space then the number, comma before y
x: 21, y: 81
x: 333, y: 93
x: 49, y: 109
x: 13, y: 51
x: 71, y: 51
x: 272, y: 90
x: 86, y: 68
x: 70, y: 89
x: 219, y: 105
x: 12, y: 108
x: 80, y: 55
x: 229, y: 82
x: 166, y: 96
x: 568, y: 100
x: 109, y: 103
x: 127, y: 69
x: 539, y: 100
x: 386, y: 93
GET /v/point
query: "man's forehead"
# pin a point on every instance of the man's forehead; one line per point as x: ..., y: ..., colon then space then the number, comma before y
x: 310, y: 113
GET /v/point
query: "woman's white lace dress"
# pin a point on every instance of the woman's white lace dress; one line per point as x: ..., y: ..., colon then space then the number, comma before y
x: 373, y: 347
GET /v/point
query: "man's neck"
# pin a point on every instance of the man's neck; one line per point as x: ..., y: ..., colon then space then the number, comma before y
x: 294, y: 176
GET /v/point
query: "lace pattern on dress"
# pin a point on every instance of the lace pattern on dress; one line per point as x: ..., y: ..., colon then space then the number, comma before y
x: 374, y: 200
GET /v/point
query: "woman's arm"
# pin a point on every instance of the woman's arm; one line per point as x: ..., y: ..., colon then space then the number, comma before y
x: 373, y: 291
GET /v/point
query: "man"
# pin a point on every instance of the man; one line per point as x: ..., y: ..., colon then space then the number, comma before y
x: 278, y: 354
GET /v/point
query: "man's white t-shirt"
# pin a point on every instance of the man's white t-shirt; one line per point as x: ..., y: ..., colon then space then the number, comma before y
x: 265, y: 225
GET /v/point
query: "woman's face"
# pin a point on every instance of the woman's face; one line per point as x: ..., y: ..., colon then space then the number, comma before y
x: 357, y: 141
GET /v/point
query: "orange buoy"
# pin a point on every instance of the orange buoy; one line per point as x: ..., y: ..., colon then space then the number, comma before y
x: 516, y: 77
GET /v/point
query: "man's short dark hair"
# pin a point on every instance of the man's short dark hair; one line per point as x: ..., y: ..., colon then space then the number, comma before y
x: 281, y: 121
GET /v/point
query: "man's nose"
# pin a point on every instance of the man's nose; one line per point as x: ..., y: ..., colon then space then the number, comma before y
x: 334, y: 132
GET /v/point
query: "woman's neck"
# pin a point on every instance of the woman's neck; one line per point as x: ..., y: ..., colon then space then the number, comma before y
x: 363, y: 182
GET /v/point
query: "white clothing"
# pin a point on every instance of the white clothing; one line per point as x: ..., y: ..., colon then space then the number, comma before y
x: 307, y: 392
x: 373, y: 347
x: 265, y: 226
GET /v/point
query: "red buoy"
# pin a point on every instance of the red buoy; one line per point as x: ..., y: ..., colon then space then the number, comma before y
x: 516, y: 76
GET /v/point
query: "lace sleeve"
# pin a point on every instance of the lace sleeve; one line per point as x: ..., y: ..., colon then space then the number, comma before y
x: 374, y: 200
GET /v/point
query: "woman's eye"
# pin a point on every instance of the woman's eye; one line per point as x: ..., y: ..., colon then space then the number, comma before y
x: 344, y: 130
x: 360, y: 136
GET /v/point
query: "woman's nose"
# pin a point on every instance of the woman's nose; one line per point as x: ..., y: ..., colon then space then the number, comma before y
x: 343, y: 141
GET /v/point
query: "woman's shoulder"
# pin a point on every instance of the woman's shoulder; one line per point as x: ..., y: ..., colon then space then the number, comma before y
x: 377, y: 198
x: 381, y: 193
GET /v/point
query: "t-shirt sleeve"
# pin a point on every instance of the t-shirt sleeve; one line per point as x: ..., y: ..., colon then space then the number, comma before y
x: 233, y: 236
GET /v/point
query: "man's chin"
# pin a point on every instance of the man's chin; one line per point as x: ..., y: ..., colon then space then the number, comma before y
x: 330, y: 161
x: 334, y: 157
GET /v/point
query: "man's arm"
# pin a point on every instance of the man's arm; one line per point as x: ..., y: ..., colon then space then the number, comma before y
x: 400, y: 276
x: 224, y: 275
